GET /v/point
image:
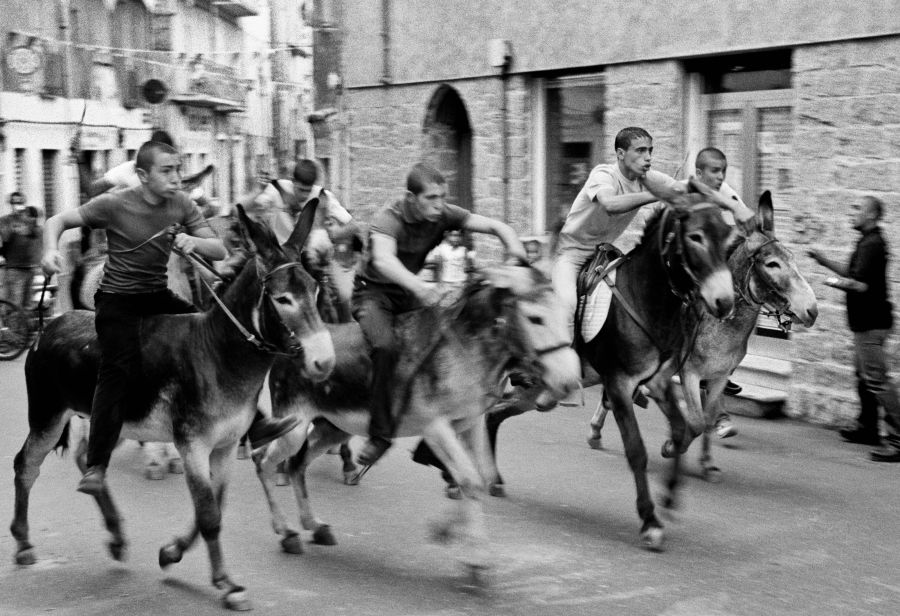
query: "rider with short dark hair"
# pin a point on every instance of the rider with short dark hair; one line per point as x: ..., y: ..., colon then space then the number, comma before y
x: 401, y: 236
x: 139, y: 226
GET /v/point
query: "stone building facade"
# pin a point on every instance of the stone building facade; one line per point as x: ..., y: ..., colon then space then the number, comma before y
x: 803, y: 105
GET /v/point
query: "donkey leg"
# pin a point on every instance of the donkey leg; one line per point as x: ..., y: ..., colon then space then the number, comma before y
x: 118, y: 544
x: 322, y: 436
x: 27, y: 468
x: 465, y: 519
x: 265, y: 471
x: 636, y: 453
x: 348, y: 466
x: 206, y: 473
x: 714, y: 402
x: 595, y: 440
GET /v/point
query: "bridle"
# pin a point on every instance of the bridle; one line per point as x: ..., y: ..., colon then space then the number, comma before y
x: 671, y: 253
x: 506, y: 327
x: 258, y: 339
x: 781, y: 309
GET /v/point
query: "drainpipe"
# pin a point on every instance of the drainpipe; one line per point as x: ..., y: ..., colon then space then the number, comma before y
x: 385, y: 41
x: 500, y: 56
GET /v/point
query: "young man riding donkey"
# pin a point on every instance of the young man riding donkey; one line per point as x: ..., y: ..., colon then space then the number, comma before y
x: 138, y: 223
x: 430, y: 371
x: 200, y: 375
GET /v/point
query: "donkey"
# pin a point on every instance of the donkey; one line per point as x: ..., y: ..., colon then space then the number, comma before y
x: 453, y: 358
x: 202, y: 375
x: 766, y: 277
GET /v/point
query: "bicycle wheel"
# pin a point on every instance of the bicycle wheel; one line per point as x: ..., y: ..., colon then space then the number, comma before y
x: 14, y: 335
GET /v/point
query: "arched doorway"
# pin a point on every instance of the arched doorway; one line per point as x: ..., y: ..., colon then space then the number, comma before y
x: 448, y: 143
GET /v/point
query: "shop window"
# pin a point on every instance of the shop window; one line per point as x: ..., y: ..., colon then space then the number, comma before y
x: 574, y: 139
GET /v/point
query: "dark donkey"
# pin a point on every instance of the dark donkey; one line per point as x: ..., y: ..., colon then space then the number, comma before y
x: 680, y: 259
x: 678, y: 267
x: 201, y: 378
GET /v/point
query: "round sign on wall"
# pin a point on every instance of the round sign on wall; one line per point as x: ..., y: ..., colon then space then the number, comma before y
x: 23, y: 60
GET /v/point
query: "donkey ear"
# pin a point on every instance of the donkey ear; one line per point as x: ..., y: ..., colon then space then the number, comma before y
x: 766, y: 213
x: 259, y: 235
x: 303, y: 226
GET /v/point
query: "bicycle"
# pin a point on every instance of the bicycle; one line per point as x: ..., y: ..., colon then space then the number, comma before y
x: 19, y: 326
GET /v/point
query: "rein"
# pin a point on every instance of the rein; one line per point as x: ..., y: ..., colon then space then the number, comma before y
x: 666, y: 241
x: 257, y: 341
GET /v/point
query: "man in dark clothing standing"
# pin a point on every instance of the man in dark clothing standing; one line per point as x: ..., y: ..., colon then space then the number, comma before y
x: 870, y: 319
x: 401, y: 236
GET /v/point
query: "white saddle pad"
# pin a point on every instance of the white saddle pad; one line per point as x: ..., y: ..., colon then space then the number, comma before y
x: 596, y: 309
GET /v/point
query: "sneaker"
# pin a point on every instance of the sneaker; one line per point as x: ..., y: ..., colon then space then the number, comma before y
x: 887, y: 453
x: 93, y: 481
x: 264, y: 431
x: 725, y: 429
x: 860, y: 436
x: 732, y: 388
x: 372, y: 451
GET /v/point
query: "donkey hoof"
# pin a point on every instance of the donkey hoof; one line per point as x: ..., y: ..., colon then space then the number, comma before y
x: 281, y: 479
x: 652, y: 539
x: 669, y: 450
x: 498, y: 490
x: 154, y: 472
x: 351, y: 478
x: 118, y: 550
x: 453, y: 492
x: 237, y: 599
x: 292, y: 544
x: 26, y: 557
x: 595, y: 442
x: 324, y: 536
x: 176, y: 466
x: 169, y: 555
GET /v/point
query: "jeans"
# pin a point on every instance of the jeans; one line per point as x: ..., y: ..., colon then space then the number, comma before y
x: 375, y: 307
x: 118, y: 325
x: 18, y: 285
x: 564, y: 277
x: 871, y: 368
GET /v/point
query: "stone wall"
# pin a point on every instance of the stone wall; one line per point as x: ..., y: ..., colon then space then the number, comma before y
x: 387, y: 136
x: 846, y: 145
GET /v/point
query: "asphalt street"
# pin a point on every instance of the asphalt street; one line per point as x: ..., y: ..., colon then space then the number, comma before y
x: 800, y: 523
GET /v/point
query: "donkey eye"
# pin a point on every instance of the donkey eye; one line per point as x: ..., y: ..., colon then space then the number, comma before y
x: 773, y: 265
x: 284, y: 301
x: 696, y: 237
x: 536, y: 320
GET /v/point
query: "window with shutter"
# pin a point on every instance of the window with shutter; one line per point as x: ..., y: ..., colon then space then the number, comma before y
x: 48, y: 164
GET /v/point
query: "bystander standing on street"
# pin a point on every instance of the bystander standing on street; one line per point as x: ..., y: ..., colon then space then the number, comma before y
x: 20, y: 248
x: 864, y: 280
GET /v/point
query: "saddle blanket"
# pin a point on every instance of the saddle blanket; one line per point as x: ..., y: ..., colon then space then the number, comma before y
x: 594, y: 292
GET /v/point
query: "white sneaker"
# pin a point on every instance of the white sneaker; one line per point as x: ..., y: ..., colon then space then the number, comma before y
x: 725, y: 429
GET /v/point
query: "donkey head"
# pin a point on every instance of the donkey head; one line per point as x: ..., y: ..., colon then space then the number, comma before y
x: 536, y: 325
x: 773, y: 279
x: 285, y: 315
x: 701, y: 236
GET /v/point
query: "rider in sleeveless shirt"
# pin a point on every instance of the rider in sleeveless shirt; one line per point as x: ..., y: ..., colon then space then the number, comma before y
x: 401, y: 236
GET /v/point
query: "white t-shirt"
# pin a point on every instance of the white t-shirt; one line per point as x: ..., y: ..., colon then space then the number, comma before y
x: 453, y: 261
x: 588, y: 224
x: 123, y: 175
x: 279, y: 217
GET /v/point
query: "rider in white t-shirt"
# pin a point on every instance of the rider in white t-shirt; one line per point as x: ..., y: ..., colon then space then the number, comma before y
x: 610, y: 201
